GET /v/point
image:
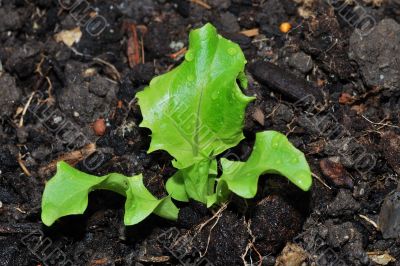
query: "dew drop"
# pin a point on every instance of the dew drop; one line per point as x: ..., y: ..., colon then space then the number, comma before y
x: 275, y: 144
x: 295, y: 160
x: 189, y: 56
x: 232, y: 51
x: 214, y: 95
x: 190, y: 78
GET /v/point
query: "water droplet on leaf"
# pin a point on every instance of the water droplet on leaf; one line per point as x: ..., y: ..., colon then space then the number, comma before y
x: 189, y: 56
x: 275, y: 144
x: 232, y: 51
x: 214, y: 95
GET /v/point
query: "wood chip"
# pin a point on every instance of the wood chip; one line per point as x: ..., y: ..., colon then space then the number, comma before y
x: 259, y: 116
x: 251, y: 32
x: 154, y: 259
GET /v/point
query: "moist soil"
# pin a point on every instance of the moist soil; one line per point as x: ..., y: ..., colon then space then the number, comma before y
x: 350, y: 134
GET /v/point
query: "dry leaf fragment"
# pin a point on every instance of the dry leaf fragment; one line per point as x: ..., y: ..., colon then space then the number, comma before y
x: 379, y: 258
x: 259, y: 116
x: 69, y: 37
x: 292, y: 255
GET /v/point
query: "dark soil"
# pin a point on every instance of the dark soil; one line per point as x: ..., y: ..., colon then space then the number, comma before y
x: 330, y: 84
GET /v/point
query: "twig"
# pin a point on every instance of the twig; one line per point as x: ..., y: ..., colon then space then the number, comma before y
x: 72, y: 157
x: 251, y: 245
x: 321, y: 181
x: 201, y: 3
x: 22, y: 165
x: 178, y: 54
x: 21, y: 120
x: 220, y: 210
x: 132, y: 49
x: 209, y: 235
x: 200, y: 227
x: 142, y: 46
x: 374, y: 224
x: 113, y: 68
x: 379, y: 123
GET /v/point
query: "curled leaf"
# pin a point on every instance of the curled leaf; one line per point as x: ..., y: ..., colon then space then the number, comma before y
x: 272, y: 153
x: 67, y: 194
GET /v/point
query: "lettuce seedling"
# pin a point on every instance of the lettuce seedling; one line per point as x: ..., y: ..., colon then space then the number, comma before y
x: 195, y: 112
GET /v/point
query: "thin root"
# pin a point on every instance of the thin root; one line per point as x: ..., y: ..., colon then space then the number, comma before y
x: 250, y: 246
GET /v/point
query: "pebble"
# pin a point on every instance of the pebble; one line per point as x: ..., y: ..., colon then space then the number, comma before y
x: 302, y: 62
x: 343, y: 204
x: 377, y: 54
x: 9, y: 94
x: 229, y: 22
x: 99, y: 127
x: 391, y: 149
x: 389, y: 216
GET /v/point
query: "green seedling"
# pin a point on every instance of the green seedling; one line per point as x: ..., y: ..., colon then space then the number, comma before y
x: 195, y: 112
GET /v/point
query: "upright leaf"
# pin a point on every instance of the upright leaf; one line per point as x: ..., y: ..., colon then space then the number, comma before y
x: 196, y: 111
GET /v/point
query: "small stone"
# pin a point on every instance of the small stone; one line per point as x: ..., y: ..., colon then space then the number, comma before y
x: 376, y: 52
x: 11, y: 19
x: 229, y: 22
x: 283, y: 114
x: 347, y: 238
x: 343, y: 204
x: 41, y: 152
x: 99, y: 127
x: 391, y: 149
x: 302, y: 62
x: 100, y: 86
x: 389, y: 216
x: 9, y: 94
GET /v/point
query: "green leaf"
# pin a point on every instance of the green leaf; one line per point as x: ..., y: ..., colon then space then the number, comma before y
x: 195, y: 182
x: 272, y: 153
x: 176, y: 187
x: 67, y: 194
x: 196, y: 111
x: 140, y: 203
